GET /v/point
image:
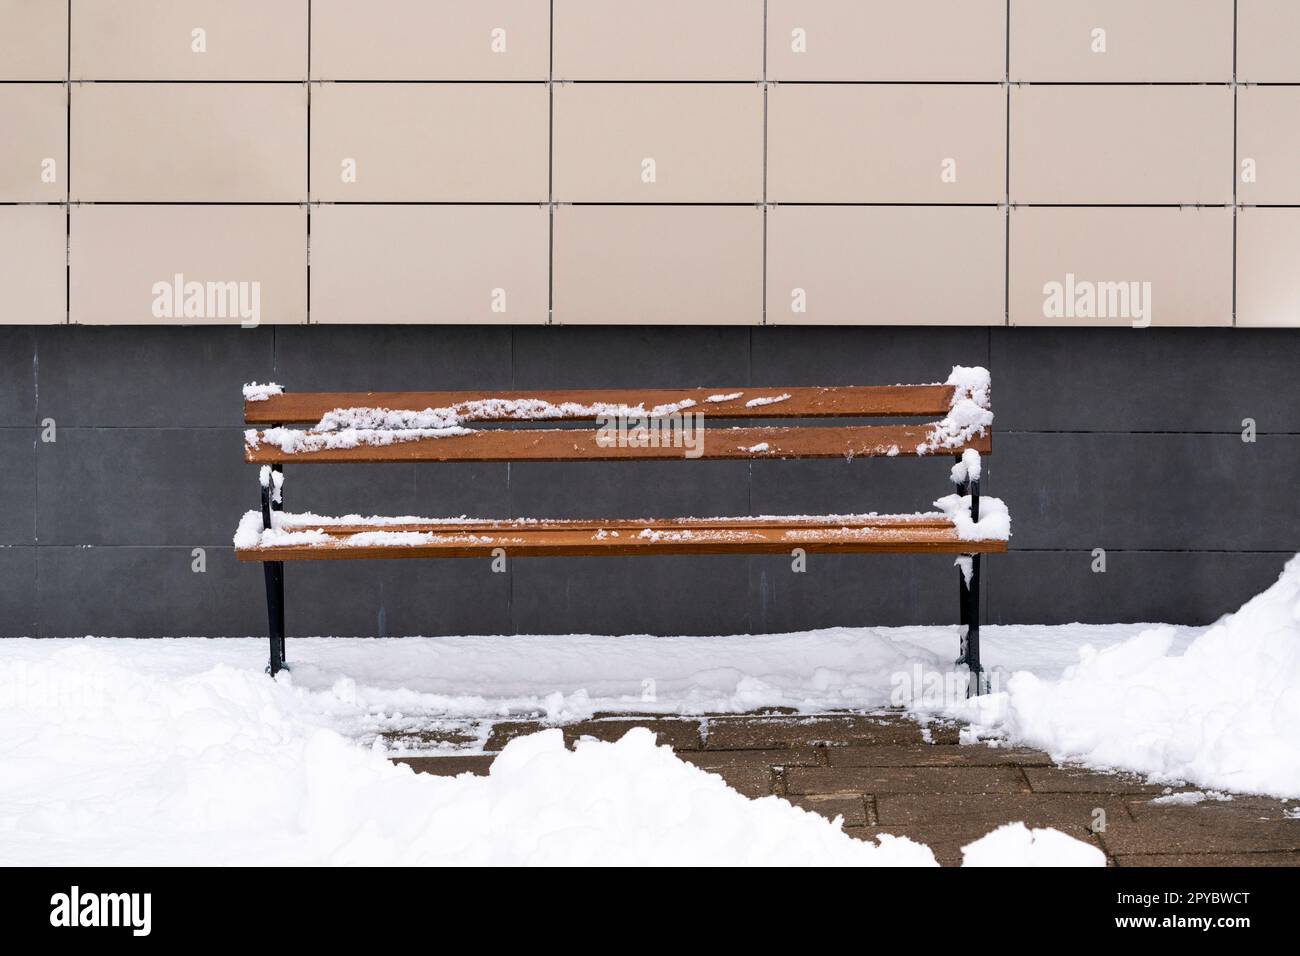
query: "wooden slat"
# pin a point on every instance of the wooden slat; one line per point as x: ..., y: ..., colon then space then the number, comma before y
x: 855, y: 401
x: 573, y: 543
x: 482, y: 526
x: 836, y: 441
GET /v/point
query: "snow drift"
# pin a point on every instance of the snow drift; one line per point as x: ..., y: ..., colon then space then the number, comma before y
x: 106, y: 761
x: 1222, y: 714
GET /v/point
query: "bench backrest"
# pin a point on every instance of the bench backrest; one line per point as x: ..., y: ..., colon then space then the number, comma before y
x: 626, y: 424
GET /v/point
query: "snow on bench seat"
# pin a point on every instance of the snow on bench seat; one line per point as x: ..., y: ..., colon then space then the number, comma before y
x: 316, y: 537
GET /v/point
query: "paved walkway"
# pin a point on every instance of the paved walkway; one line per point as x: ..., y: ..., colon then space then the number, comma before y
x: 884, y: 774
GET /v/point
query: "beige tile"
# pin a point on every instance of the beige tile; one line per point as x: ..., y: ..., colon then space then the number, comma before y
x: 189, y: 40
x: 1268, y: 144
x: 34, y: 40
x: 33, y: 244
x: 658, y: 265
x: 1185, y: 255
x: 672, y: 142
x: 433, y: 264
x: 34, y: 144
x: 886, y: 143
x: 419, y: 40
x: 123, y: 258
x: 948, y: 40
x: 1149, y: 41
x: 1121, y: 144
x: 885, y: 265
x: 455, y: 142
x: 664, y: 40
x: 1268, y: 35
x: 189, y: 142
x: 1268, y: 281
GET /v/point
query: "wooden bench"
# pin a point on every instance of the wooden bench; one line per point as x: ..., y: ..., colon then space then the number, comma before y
x: 623, y: 425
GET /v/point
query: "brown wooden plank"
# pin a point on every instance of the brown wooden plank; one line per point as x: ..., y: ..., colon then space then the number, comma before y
x: 854, y: 401
x: 771, y: 540
x: 833, y: 441
x: 476, y: 526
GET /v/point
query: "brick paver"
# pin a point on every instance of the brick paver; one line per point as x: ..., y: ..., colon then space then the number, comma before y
x: 884, y: 773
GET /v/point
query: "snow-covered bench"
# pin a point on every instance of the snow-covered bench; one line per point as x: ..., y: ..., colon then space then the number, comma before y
x: 640, y: 424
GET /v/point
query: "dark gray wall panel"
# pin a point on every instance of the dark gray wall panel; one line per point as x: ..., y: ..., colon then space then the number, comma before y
x: 118, y: 486
x: 387, y: 598
x: 1151, y: 491
x: 18, y: 485
x: 147, y: 592
x: 857, y: 590
x: 655, y: 489
x: 339, y: 358
x: 838, y: 486
x: 864, y: 356
x: 1173, y: 587
x: 441, y: 490
x: 18, y: 375
x: 19, y: 615
x: 1133, y: 380
x: 632, y: 595
x: 148, y: 376
x: 614, y: 357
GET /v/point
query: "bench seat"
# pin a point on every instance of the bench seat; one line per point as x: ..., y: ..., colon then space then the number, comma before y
x: 312, y: 537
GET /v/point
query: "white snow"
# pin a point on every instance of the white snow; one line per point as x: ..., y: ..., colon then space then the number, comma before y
x: 968, y: 468
x: 183, y: 751
x: 969, y: 416
x: 227, y: 766
x: 767, y: 400
x: 1014, y: 844
x: 728, y: 397
x: 1189, y: 798
x: 1221, y: 714
x: 355, y: 426
x: 111, y: 758
x: 260, y: 393
x: 994, y: 523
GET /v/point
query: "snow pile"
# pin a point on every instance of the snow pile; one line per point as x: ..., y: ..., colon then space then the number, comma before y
x: 1014, y: 844
x: 994, y: 523
x: 260, y: 393
x: 110, y: 764
x: 1222, y: 714
x: 969, y: 415
x: 114, y: 755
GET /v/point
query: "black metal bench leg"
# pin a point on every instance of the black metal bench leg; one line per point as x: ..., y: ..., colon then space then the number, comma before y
x: 274, y: 573
x: 963, y: 488
x: 971, y: 651
x: 970, y: 604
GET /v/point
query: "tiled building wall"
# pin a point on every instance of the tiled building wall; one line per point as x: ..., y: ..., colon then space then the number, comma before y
x: 521, y: 171
x: 807, y: 162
